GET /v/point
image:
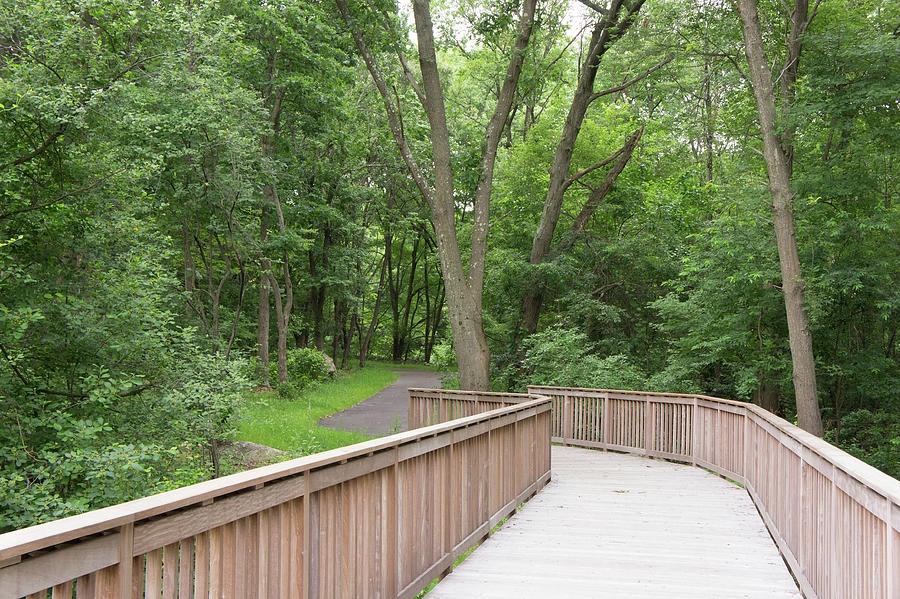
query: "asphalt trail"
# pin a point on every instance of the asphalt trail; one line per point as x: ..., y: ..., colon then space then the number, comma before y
x: 385, y: 412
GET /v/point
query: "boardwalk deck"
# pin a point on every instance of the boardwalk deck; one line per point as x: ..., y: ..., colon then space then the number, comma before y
x: 611, y: 525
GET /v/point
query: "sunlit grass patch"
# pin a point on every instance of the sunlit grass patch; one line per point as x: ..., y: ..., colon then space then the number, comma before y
x: 291, y: 424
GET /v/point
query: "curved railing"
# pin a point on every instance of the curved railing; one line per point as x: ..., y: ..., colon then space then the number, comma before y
x: 431, y: 406
x: 835, y: 519
x: 376, y: 519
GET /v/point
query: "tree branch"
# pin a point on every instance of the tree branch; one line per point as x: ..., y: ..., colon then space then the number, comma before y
x: 595, y: 7
x: 60, y: 198
x: 40, y: 149
x: 591, y: 168
x: 393, y: 117
x: 631, y: 82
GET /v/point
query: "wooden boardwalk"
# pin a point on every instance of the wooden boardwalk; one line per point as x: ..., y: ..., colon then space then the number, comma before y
x: 611, y: 525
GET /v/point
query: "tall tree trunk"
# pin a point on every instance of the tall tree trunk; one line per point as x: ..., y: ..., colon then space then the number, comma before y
x: 608, y: 28
x: 778, y: 157
x: 275, y: 98
x: 318, y: 269
x: 463, y: 290
x: 189, y: 272
x: 282, y: 308
x: 281, y: 328
x: 708, y: 120
x: 338, y: 328
x: 373, y: 323
x: 262, y: 323
x: 406, y: 326
x: 348, y: 338
x: 436, y: 315
x: 242, y: 286
x: 395, y: 279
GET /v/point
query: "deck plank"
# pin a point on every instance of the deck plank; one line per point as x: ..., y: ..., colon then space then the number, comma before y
x: 613, y: 525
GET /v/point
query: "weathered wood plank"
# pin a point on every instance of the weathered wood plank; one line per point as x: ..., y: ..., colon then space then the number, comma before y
x: 611, y: 525
x: 30, y: 539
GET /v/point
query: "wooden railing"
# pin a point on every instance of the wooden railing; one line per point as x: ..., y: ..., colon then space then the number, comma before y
x: 835, y: 519
x: 432, y: 406
x: 376, y: 519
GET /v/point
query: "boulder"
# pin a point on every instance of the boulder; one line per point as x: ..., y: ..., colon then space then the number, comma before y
x: 250, y: 455
x: 329, y: 364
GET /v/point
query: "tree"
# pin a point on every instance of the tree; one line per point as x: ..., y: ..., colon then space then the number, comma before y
x: 463, y: 289
x: 778, y: 154
x: 609, y: 27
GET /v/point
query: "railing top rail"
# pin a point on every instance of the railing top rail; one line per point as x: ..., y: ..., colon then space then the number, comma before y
x: 686, y: 396
x: 873, y: 478
x: 44, y: 535
x: 876, y: 480
x: 458, y: 392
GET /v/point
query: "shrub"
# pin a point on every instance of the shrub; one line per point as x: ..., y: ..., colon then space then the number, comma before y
x: 873, y: 437
x: 443, y: 356
x: 565, y: 357
x: 304, y: 367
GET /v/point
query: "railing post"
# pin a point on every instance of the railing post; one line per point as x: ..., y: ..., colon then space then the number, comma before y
x: 604, y: 419
x: 306, y: 592
x: 803, y: 511
x: 695, y: 425
x: 568, y: 421
x: 746, y: 455
x: 126, y: 559
x: 834, y: 570
x: 647, y: 432
x: 892, y: 577
x: 717, y: 439
x: 392, y: 576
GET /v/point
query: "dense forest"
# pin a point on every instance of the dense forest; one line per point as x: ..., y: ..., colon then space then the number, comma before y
x: 676, y: 195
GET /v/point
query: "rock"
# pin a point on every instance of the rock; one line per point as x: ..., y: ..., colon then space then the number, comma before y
x: 250, y: 455
x: 329, y: 364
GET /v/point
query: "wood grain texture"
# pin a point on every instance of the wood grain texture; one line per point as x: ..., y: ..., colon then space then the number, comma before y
x: 20, y: 542
x: 611, y: 525
x: 384, y: 517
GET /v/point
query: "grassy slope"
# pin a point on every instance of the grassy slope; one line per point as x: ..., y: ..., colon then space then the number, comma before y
x: 292, y: 424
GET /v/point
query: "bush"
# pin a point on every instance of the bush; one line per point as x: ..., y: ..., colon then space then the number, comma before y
x: 564, y: 357
x: 873, y: 437
x: 305, y: 366
x: 443, y: 356
x: 59, y: 458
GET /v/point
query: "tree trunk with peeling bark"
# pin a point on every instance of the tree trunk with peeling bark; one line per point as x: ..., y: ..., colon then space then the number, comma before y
x: 778, y: 154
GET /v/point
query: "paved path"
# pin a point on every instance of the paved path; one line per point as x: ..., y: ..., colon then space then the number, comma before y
x: 385, y: 412
x: 619, y: 526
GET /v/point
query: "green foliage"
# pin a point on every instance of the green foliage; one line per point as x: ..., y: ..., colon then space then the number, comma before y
x: 291, y: 423
x: 874, y: 437
x: 136, y: 140
x: 444, y: 357
x: 305, y: 366
x: 566, y: 358
x: 63, y: 457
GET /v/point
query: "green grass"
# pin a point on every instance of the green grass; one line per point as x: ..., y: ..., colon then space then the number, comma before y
x: 291, y: 424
